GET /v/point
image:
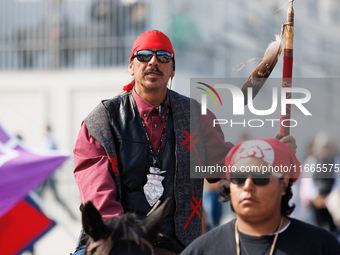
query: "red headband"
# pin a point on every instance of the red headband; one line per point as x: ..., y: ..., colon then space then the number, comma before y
x: 152, y: 40
x: 270, y: 150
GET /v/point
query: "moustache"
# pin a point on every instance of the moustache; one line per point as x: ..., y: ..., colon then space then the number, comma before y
x: 153, y: 69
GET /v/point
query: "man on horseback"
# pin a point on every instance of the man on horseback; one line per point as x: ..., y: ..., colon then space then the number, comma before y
x: 129, y: 143
x: 130, y: 154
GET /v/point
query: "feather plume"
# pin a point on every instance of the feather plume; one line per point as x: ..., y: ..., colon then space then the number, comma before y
x: 261, y: 73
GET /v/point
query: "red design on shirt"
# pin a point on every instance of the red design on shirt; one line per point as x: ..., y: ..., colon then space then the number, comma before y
x: 192, y: 144
x: 114, y: 164
x: 195, y: 210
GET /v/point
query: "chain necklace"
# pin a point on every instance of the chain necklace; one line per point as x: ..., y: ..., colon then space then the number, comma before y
x: 237, y: 238
x: 154, y: 155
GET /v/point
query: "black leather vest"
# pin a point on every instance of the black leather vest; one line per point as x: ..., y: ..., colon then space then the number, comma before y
x: 116, y: 125
x: 134, y: 159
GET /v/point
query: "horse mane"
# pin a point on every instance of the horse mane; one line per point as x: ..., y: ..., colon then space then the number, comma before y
x: 126, y: 234
x: 123, y: 235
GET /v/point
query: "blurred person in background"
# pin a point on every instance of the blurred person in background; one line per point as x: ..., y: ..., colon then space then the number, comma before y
x: 49, y: 143
x: 316, y: 187
x: 132, y: 151
x: 104, y: 15
x: 260, y: 199
x: 211, y: 206
x: 56, y: 28
x: 112, y: 21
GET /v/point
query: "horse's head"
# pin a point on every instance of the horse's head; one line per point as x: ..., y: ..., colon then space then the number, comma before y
x: 121, y: 235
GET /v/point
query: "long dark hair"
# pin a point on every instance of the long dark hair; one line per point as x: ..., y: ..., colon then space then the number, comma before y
x: 286, y: 209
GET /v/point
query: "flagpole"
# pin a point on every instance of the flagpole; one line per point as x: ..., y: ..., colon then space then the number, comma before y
x: 287, y: 71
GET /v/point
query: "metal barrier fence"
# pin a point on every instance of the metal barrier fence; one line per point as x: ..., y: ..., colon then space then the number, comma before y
x: 209, y: 37
x: 56, y: 34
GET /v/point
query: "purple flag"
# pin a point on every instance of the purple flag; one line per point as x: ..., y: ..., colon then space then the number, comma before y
x: 22, y: 169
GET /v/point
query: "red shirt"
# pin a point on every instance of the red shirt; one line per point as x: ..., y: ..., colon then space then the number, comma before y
x: 92, y: 166
x: 154, y: 122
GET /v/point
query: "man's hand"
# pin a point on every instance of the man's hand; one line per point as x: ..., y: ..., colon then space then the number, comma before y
x: 288, y: 140
x: 319, y: 202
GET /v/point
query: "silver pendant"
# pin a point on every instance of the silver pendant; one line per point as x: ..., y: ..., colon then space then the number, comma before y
x: 154, y: 189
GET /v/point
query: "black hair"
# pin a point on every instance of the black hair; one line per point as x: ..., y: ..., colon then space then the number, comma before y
x: 224, y: 190
x: 286, y: 209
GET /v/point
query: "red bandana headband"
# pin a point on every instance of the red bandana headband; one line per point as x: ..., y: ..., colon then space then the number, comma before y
x: 150, y: 40
x: 270, y: 150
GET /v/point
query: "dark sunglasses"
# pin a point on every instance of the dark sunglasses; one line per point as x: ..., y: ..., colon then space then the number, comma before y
x: 258, y: 178
x: 145, y: 55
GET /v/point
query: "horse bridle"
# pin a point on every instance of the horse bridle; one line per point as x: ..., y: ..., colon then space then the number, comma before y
x: 96, y: 244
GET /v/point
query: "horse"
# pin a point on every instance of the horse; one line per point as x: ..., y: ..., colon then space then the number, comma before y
x: 125, y: 234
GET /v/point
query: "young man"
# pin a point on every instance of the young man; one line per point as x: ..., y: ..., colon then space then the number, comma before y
x: 260, y: 201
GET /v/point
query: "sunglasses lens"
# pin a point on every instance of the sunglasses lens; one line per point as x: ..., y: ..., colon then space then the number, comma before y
x: 144, y: 55
x: 164, y: 56
x: 238, y: 178
x: 259, y: 179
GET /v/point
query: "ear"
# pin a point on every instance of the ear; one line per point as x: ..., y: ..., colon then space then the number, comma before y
x: 131, y: 68
x: 284, y: 185
x: 153, y: 223
x: 92, y: 221
x: 173, y: 70
x: 172, y: 73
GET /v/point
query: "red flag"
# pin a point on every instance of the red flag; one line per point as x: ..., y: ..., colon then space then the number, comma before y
x: 21, y: 226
